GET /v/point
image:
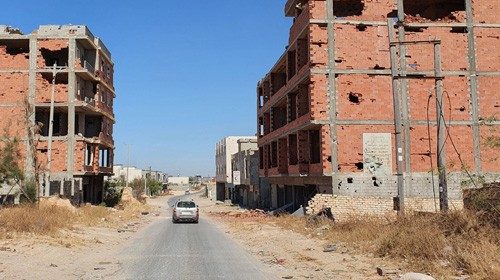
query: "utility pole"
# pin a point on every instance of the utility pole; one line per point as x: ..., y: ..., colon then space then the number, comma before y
x: 128, y: 163
x: 441, y: 130
x: 51, y: 131
x: 146, y: 180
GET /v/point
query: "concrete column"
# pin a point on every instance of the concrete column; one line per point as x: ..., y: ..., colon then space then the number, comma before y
x: 71, y: 108
x: 61, y: 187
x: 274, y: 196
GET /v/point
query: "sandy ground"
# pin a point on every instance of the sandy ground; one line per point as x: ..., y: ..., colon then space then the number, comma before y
x: 81, y: 253
x: 292, y: 255
x: 93, y: 253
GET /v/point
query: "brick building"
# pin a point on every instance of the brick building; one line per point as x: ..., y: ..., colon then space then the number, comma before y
x: 355, y: 93
x: 78, y: 67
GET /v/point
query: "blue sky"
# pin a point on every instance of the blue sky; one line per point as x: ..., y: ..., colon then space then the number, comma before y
x: 185, y: 71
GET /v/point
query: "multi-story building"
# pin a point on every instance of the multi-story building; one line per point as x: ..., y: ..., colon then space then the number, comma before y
x: 224, y: 150
x: 245, y: 167
x: 378, y: 105
x: 72, y: 69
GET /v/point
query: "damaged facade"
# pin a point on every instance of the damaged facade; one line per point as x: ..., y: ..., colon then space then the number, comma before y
x: 245, y: 167
x: 224, y: 151
x: 348, y: 116
x: 82, y: 137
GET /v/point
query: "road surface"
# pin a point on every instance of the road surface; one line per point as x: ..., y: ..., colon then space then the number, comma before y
x: 187, y: 251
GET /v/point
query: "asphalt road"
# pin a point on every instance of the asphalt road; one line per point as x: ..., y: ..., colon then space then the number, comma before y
x: 187, y: 251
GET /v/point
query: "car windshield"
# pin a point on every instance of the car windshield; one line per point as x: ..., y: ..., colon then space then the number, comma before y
x: 186, y: 204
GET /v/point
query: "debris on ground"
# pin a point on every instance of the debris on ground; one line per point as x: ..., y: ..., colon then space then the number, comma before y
x: 382, y: 271
x: 330, y: 248
x: 416, y: 276
x: 256, y: 213
x: 58, y: 202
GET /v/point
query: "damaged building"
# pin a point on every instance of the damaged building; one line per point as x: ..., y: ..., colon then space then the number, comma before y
x: 71, y: 68
x: 382, y: 105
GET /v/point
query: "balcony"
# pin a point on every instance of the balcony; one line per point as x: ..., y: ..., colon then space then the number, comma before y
x: 300, y: 23
x: 85, y: 70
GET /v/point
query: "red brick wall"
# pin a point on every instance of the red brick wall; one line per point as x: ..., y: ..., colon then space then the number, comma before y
x: 59, y: 155
x: 14, y: 92
x: 454, y: 51
x: 490, y: 155
x: 487, y: 49
x: 486, y: 11
x: 10, y: 61
x: 374, y: 94
x: 489, y: 101
x: 12, y: 120
x: 13, y: 87
x: 318, y: 100
x: 353, y: 53
x: 317, y: 9
x: 44, y: 90
x: 318, y: 48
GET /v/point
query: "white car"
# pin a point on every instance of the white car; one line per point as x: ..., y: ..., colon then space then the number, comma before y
x: 185, y: 211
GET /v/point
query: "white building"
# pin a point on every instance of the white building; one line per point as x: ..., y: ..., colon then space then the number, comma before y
x: 224, y: 150
x: 128, y: 173
x: 178, y: 180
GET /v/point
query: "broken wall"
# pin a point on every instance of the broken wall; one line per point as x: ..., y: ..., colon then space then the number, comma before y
x: 52, y: 50
x: 13, y: 57
x: 44, y: 88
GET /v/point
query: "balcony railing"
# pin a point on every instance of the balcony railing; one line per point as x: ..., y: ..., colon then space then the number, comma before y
x: 87, y: 66
x: 89, y: 100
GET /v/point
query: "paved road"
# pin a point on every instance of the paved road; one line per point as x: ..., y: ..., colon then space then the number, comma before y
x: 187, y: 251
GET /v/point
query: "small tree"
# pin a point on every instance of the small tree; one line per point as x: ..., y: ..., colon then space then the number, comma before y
x: 137, y: 186
x: 11, y: 173
x: 154, y: 186
x: 112, y: 192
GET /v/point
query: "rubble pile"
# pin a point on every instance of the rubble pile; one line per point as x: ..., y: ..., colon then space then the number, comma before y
x: 257, y: 213
x: 58, y: 202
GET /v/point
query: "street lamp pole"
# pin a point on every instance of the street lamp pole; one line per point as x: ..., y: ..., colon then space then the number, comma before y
x: 128, y: 163
x: 51, y: 131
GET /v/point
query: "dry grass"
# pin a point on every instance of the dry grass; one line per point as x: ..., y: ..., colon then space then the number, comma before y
x: 45, y: 220
x: 440, y: 244
x: 50, y: 220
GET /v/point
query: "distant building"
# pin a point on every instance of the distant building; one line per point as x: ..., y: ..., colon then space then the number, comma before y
x: 224, y: 151
x: 128, y: 173
x: 178, y: 180
x: 245, y: 168
x: 159, y: 176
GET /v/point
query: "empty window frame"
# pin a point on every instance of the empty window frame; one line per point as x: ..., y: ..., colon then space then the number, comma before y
x: 315, y: 146
x: 89, y: 155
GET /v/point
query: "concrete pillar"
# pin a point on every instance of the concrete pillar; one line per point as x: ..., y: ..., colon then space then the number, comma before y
x: 274, y: 196
x: 71, y: 108
x: 61, y: 187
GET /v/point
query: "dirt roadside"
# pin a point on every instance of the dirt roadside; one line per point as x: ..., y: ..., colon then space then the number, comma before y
x: 79, y: 253
x: 292, y: 255
x: 93, y: 252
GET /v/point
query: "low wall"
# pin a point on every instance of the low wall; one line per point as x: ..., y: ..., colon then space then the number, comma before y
x: 344, y: 207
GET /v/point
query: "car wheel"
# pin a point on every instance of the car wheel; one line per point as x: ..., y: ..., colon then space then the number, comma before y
x: 196, y: 221
x: 174, y: 221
